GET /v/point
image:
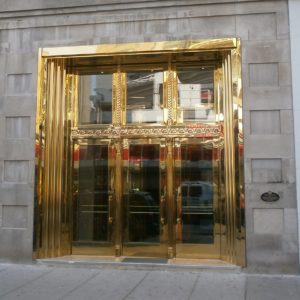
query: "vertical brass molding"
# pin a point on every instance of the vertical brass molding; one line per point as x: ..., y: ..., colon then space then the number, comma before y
x: 174, y: 91
x: 216, y: 161
x: 119, y: 98
x: 70, y: 120
x: 239, y: 154
x: 219, y: 106
x: 177, y: 190
x: 229, y: 148
x: 226, y: 162
x: 163, y: 193
x: 59, y: 99
x: 66, y: 191
x: 116, y: 99
x: 73, y: 120
x: 52, y: 157
x: 118, y: 196
x: 165, y: 97
x: 39, y: 149
x: 171, y: 208
x: 52, y: 168
x: 229, y: 160
x: 72, y: 103
x: 171, y: 97
x: 123, y: 87
x: 47, y: 224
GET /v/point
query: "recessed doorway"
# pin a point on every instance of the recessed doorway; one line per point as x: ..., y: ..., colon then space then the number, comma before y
x: 140, y: 154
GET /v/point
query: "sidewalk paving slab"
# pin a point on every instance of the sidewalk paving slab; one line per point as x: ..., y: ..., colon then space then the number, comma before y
x: 85, y: 282
x: 211, y: 286
x: 108, y: 284
x: 273, y: 287
x: 165, y: 285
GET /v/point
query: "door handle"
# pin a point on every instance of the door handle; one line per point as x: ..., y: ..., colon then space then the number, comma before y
x: 178, y: 208
x: 110, y: 209
x: 162, y: 210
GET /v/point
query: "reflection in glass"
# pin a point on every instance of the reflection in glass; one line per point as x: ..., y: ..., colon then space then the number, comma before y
x: 196, y: 94
x: 95, y: 99
x: 145, y: 97
x: 197, y: 194
x: 90, y: 219
x: 143, y: 198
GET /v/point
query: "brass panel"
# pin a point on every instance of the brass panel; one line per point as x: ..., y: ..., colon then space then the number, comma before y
x: 171, y: 200
x: 170, y: 95
x: 234, y: 216
x: 39, y: 148
x: 144, y: 204
x: 119, y: 98
x: 53, y: 184
x: 238, y: 155
x: 118, y: 192
x: 51, y: 137
x: 145, y: 48
x: 199, y: 130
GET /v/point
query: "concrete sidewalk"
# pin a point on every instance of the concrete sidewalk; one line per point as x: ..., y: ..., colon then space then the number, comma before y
x: 45, y: 282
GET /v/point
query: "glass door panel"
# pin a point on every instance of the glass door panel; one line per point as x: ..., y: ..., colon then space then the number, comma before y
x: 145, y: 97
x: 144, y: 232
x: 93, y: 199
x: 196, y: 164
x: 95, y: 98
x: 196, y: 100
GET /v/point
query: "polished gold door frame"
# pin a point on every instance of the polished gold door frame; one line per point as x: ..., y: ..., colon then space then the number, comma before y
x: 94, y: 197
x: 197, y: 197
x: 144, y: 205
x: 57, y: 128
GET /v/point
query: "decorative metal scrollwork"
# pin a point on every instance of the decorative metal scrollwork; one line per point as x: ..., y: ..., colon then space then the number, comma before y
x: 205, y: 130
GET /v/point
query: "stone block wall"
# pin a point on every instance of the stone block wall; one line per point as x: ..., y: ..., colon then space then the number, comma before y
x: 263, y: 27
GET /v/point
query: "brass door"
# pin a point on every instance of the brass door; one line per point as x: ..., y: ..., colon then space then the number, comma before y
x: 158, y: 198
x: 197, y: 196
x: 144, y: 230
x: 119, y: 197
x: 94, y: 198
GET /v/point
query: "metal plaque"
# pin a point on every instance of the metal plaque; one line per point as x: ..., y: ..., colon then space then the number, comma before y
x: 270, y: 197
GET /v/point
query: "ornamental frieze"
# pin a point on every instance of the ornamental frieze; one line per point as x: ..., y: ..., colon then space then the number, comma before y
x: 201, y: 130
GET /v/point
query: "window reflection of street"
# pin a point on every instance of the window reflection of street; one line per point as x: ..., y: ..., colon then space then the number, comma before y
x: 95, y: 99
x: 91, y: 201
x: 197, y: 194
x: 144, y: 97
x: 143, y: 210
x: 143, y: 217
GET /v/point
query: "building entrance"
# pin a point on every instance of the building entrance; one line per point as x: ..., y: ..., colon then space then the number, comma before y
x: 139, y: 151
x: 169, y: 197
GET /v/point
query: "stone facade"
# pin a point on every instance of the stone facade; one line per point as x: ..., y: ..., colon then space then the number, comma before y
x: 263, y: 26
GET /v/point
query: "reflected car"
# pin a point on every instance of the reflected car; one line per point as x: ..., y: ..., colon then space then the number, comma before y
x: 197, y: 194
x: 143, y: 215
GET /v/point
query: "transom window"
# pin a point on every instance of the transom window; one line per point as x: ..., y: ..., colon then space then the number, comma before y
x: 160, y: 90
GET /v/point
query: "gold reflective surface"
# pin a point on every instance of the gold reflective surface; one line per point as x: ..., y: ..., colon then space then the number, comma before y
x: 142, y: 48
x: 144, y: 179
x: 139, y: 151
x: 95, y: 98
x: 197, y: 202
x: 93, y: 198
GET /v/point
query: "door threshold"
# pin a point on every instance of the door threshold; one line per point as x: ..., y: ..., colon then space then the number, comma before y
x: 140, y: 263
